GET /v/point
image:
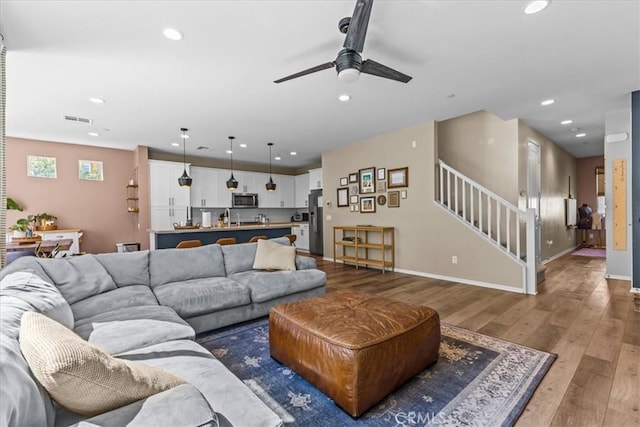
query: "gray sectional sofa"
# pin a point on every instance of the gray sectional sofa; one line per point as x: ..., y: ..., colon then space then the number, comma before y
x: 147, y: 306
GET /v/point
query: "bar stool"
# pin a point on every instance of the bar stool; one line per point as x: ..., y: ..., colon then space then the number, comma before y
x: 256, y: 238
x: 226, y: 241
x: 292, y: 238
x: 189, y: 244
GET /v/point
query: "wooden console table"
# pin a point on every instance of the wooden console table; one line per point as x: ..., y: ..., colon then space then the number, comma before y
x: 365, y: 245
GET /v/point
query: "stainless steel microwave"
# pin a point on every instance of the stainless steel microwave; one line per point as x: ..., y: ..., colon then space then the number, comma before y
x: 244, y: 200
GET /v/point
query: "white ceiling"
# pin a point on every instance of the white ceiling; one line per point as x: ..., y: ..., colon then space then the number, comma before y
x: 218, y: 81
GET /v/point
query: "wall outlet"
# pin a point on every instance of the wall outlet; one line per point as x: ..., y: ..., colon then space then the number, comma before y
x: 454, y: 259
x: 328, y: 217
x: 413, y: 144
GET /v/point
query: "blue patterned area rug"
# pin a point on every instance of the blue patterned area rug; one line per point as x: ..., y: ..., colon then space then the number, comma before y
x: 477, y: 381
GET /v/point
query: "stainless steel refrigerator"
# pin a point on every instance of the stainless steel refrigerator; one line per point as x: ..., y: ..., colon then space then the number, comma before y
x: 315, y: 222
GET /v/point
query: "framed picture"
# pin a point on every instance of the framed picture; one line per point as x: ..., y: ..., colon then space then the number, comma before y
x: 354, y: 208
x: 367, y: 204
x: 398, y: 178
x: 353, y: 177
x: 90, y: 170
x: 41, y: 167
x: 381, y: 186
x: 403, y: 194
x: 344, y: 181
x: 353, y: 189
x: 382, y: 174
x: 353, y: 200
x: 367, y: 180
x: 343, y: 197
x: 394, y: 199
x: 382, y: 199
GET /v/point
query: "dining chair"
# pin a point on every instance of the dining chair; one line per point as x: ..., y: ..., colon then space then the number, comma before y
x: 256, y: 238
x: 189, y: 244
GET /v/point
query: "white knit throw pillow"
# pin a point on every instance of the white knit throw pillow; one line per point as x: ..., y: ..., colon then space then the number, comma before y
x: 274, y: 256
x: 82, y: 377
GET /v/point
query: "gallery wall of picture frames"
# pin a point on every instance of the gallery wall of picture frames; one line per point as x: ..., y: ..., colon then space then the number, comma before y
x: 369, y: 187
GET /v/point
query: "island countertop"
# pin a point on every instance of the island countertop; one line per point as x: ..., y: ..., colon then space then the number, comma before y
x: 164, y: 239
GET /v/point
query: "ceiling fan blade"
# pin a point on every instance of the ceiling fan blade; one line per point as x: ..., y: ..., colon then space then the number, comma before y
x: 376, y: 69
x: 307, y: 71
x: 358, y: 26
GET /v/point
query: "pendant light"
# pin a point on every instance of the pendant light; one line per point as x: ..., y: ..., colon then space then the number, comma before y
x: 185, y: 180
x: 232, y: 183
x: 271, y: 186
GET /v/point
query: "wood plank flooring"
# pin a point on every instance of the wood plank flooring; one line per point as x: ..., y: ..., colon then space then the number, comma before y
x: 586, y: 320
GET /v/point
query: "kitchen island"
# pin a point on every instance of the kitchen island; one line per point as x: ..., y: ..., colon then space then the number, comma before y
x: 163, y: 239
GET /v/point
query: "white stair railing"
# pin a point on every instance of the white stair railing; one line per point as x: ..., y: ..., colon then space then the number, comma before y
x: 498, y: 220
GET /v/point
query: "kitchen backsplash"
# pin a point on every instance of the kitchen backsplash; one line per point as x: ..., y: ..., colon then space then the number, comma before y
x: 247, y: 215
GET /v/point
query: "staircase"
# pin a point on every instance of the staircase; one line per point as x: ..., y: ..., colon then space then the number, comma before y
x: 504, y: 225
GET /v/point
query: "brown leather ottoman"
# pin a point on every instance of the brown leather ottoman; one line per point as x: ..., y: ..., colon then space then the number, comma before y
x: 354, y: 347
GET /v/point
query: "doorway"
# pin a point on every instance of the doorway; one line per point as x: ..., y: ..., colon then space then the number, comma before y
x: 533, y: 192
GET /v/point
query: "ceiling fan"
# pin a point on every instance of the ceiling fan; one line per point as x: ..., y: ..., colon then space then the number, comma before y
x: 349, y: 63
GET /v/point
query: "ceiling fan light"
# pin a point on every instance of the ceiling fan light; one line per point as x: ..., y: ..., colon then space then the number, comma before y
x: 349, y: 75
x: 185, y: 180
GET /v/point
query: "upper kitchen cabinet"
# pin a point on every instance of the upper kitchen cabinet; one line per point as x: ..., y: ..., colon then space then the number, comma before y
x: 163, y: 182
x: 282, y: 197
x: 301, y: 185
x: 315, y: 179
x: 206, y: 187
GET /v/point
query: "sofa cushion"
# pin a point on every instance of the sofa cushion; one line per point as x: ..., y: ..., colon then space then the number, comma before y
x: 201, y: 296
x: 274, y: 256
x: 130, y: 296
x: 182, y: 406
x: 126, y: 328
x: 128, y: 268
x: 41, y: 296
x: 80, y: 376
x: 78, y: 277
x: 23, y: 402
x: 175, y: 265
x: 239, y: 258
x: 234, y: 402
x: 25, y: 263
x: 265, y: 286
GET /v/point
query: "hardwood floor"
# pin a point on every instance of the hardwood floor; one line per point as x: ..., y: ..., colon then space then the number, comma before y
x: 586, y: 320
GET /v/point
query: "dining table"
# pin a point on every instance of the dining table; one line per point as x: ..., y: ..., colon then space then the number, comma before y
x: 46, y: 246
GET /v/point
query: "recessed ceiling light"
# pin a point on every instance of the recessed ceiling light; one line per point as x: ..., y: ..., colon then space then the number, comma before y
x: 184, y: 136
x: 344, y: 97
x: 566, y: 122
x: 536, y: 6
x: 94, y: 134
x: 229, y: 152
x: 173, y: 34
x: 97, y: 100
x: 547, y: 102
x: 580, y: 135
x: 243, y: 145
x: 278, y: 158
x: 293, y: 153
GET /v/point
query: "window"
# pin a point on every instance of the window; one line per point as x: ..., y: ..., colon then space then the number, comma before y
x: 41, y: 167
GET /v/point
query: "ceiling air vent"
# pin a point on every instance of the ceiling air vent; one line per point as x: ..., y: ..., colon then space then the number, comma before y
x: 202, y: 147
x: 78, y: 119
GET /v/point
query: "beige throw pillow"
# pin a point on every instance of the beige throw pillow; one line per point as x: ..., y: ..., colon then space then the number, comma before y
x: 274, y: 256
x: 80, y: 376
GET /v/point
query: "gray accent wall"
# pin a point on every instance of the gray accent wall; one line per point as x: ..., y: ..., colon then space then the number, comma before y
x: 426, y: 236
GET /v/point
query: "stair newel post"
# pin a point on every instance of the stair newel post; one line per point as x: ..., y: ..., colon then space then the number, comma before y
x: 530, y: 285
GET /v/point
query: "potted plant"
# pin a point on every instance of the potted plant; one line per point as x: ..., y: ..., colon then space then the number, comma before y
x: 20, y: 227
x: 45, y: 221
x: 13, y: 205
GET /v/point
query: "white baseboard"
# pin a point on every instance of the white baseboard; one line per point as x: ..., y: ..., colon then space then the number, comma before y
x: 616, y: 277
x: 558, y: 255
x: 635, y: 290
x: 448, y: 278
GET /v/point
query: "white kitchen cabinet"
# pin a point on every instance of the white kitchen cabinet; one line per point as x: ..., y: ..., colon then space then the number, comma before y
x: 205, y: 187
x: 284, y: 194
x: 163, y: 183
x: 169, y: 201
x: 301, y: 190
x: 163, y: 217
x: 315, y: 179
x: 74, y: 234
x: 302, y: 236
